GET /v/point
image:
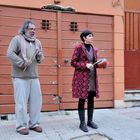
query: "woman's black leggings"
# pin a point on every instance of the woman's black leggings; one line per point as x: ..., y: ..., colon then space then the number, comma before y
x: 90, y: 101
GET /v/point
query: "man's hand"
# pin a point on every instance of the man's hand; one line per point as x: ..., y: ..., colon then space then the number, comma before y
x: 38, y: 56
x: 27, y: 63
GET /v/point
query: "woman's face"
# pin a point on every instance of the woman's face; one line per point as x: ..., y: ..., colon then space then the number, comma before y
x: 88, y: 39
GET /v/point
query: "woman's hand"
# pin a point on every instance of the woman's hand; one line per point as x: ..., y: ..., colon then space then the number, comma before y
x: 90, y: 66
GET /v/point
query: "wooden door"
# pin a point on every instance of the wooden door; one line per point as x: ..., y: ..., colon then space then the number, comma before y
x: 48, y: 70
x: 132, y: 50
x: 11, y: 21
x: 58, y: 33
x: 103, y: 29
x: 102, y: 26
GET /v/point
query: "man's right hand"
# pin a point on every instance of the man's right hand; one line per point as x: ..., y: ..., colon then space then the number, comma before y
x: 27, y: 63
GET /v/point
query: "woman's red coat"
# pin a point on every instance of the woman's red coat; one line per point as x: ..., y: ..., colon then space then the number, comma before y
x: 81, y: 77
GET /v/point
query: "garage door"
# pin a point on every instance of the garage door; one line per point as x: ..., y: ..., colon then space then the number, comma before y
x: 71, y: 27
x: 58, y: 32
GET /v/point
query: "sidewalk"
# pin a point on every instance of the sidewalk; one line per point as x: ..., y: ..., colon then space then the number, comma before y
x: 114, y: 124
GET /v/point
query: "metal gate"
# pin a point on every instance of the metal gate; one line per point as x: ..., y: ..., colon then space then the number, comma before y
x: 58, y: 32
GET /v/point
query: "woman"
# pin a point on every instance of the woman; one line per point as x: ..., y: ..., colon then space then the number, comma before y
x: 85, y: 83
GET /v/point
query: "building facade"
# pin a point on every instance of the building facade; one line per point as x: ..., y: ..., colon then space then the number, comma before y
x: 58, y: 32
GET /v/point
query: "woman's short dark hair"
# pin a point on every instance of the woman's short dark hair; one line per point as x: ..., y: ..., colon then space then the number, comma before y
x: 25, y: 26
x: 84, y: 34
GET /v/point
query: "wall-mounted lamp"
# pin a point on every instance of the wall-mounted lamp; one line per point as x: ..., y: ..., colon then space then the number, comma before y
x: 116, y: 3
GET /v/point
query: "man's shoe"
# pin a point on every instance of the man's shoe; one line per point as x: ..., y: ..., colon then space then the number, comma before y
x: 23, y: 131
x: 37, y: 129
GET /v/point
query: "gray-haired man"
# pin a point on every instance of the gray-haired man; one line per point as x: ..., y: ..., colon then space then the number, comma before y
x: 25, y: 52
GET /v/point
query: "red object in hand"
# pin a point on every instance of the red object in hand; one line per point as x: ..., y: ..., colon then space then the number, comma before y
x: 102, y: 63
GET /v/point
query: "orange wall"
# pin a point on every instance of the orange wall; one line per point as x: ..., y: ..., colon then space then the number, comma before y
x: 90, y: 6
x: 132, y: 5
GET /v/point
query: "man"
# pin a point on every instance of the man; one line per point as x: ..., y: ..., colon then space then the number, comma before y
x: 25, y: 52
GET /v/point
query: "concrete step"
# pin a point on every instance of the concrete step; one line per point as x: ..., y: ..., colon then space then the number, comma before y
x: 132, y: 95
x: 132, y: 98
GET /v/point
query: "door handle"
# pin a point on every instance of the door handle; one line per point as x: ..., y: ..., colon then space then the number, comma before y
x: 58, y: 65
x: 66, y: 60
